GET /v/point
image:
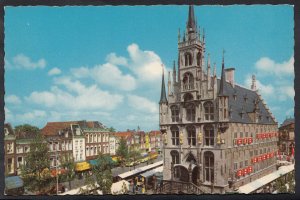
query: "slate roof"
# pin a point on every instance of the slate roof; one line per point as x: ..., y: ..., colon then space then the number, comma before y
x: 52, y: 128
x: 288, y: 122
x: 239, y: 105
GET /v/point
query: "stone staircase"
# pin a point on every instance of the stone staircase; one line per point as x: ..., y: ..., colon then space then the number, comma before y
x: 178, y: 187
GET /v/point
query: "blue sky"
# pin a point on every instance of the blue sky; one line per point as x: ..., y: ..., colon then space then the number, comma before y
x: 103, y: 63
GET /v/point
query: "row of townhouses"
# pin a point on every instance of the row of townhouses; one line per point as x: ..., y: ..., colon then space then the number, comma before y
x: 80, y: 140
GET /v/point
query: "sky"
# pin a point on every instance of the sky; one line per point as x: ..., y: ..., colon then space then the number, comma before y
x: 104, y: 63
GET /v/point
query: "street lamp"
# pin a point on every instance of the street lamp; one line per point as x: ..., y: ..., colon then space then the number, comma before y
x: 56, y: 173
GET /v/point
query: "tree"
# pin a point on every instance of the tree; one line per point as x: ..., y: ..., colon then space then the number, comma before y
x: 280, y: 185
x: 35, y: 172
x: 69, y: 165
x: 112, y: 129
x: 122, y: 151
x: 134, y: 155
x: 102, y: 176
x: 27, y: 128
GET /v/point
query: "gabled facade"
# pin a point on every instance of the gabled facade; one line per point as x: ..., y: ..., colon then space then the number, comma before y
x: 286, y: 141
x: 9, y: 150
x: 213, y: 129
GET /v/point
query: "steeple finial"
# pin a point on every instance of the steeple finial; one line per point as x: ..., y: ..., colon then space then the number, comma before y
x: 163, y: 97
x: 222, y: 91
x: 191, y: 20
x: 208, y: 60
x: 203, y: 36
x: 215, y: 70
x: 178, y: 35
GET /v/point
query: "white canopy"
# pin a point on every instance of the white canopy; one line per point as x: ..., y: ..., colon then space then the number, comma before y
x: 254, y: 185
x: 119, y: 187
x: 77, y: 191
x: 153, y: 171
x: 140, y: 170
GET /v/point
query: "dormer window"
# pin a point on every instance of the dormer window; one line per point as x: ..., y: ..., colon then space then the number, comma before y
x: 245, y: 98
x: 234, y: 97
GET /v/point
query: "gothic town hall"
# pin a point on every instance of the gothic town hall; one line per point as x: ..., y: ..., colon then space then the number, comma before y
x: 217, y: 135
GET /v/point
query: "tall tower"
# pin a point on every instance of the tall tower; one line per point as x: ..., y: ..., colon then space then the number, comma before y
x: 163, y: 103
x: 190, y: 50
x: 223, y: 95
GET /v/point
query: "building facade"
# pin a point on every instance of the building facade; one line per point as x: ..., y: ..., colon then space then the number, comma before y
x: 286, y: 141
x: 217, y: 134
x: 59, y: 138
x: 9, y: 150
x: 96, y: 140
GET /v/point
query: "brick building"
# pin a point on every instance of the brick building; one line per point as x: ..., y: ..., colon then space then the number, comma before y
x: 217, y: 134
x: 59, y: 138
x: 286, y: 141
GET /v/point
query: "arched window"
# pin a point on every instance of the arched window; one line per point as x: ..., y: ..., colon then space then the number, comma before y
x: 95, y: 150
x: 91, y: 151
x: 188, y: 81
x: 209, y: 166
x: 209, y: 135
x: 188, y: 59
x: 209, y: 110
x: 95, y: 137
x: 91, y: 138
x: 87, y: 151
x: 199, y: 59
x: 175, y: 157
x: 190, y: 112
x: 175, y: 135
x: 175, y: 113
x: 191, y: 135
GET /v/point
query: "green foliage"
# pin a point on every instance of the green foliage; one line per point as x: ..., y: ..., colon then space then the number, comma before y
x: 35, y: 172
x: 280, y: 185
x: 102, y: 175
x: 122, y: 151
x: 134, y: 154
x: 112, y: 129
x: 27, y: 128
x: 69, y: 165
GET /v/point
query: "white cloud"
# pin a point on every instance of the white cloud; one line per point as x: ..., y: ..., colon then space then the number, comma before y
x: 266, y: 90
x: 22, y: 61
x: 142, y: 104
x: 81, y: 72
x: 290, y: 112
x: 116, y: 60
x: 13, y: 99
x: 54, y: 71
x: 78, y: 97
x: 145, y: 64
x: 267, y: 65
x: 30, y: 116
x: 110, y: 74
x: 286, y: 92
x: 8, y: 115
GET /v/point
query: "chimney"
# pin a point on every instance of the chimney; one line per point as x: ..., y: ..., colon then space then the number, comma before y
x: 253, y: 85
x: 229, y: 75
